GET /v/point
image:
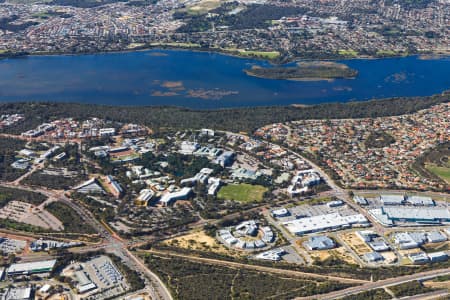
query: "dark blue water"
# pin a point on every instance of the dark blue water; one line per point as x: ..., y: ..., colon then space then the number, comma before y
x: 205, y: 80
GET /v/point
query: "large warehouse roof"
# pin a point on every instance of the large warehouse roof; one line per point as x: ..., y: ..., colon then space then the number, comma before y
x: 32, y: 267
x: 418, y: 214
x: 323, y: 222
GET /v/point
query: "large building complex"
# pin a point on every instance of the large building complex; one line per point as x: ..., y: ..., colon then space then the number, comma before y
x: 391, y: 215
x: 333, y: 221
x: 31, y: 268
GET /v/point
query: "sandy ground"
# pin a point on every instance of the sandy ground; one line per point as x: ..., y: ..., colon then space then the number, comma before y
x: 340, y: 252
x: 199, y: 241
x: 389, y: 257
x: 355, y: 243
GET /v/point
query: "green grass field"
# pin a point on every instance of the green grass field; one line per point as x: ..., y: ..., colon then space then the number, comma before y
x: 260, y: 54
x: 348, y: 53
x: 242, y: 192
x: 442, y: 172
x: 251, y: 53
x: 182, y: 45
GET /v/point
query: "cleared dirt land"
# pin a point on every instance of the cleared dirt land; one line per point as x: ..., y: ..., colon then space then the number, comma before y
x: 199, y: 241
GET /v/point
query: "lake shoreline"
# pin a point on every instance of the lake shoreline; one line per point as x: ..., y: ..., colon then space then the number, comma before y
x: 424, y: 55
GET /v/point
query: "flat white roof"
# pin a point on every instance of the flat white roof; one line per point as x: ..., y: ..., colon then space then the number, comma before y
x: 184, y: 192
x: 32, y: 266
x: 19, y: 293
x: 417, y: 213
x: 322, y: 222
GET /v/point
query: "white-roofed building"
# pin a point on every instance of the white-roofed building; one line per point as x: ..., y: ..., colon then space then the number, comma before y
x: 360, y: 200
x: 31, y: 268
x: 379, y: 246
x: 18, y: 294
x: 435, y: 237
x: 280, y: 213
x: 302, y: 181
x: 170, y: 198
x: 274, y: 254
x: 107, y: 131
x: 438, y: 256
x: 392, y: 199
x: 420, y: 201
x: 90, y: 186
x: 372, y: 257
x: 326, y: 222
x: 320, y: 242
x: 419, y: 258
x: 214, y: 185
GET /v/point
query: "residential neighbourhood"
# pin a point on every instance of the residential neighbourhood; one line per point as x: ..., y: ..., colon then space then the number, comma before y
x: 301, y: 28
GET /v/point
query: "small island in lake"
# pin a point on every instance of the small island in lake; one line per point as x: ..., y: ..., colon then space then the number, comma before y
x: 313, y: 70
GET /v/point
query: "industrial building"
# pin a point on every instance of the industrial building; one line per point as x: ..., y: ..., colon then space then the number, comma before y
x: 22, y: 293
x: 407, y: 200
x: 390, y: 215
x: 360, y: 200
x: 379, y: 246
x: 333, y: 221
x: 375, y: 242
x: 410, y: 240
x: 438, y: 256
x: 372, y: 257
x: 420, y: 201
x: 392, y: 199
x: 45, y: 245
x: 320, y: 242
x: 419, y: 258
x: 31, y: 268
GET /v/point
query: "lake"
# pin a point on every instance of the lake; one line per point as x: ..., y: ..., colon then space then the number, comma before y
x: 205, y: 80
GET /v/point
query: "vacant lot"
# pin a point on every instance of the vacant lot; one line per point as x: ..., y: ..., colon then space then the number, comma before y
x: 355, y: 243
x: 198, y: 241
x: 242, y: 192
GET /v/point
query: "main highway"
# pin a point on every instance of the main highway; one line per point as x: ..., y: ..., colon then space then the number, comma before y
x: 379, y: 284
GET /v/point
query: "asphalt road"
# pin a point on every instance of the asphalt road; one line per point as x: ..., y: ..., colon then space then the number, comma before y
x: 379, y: 284
x: 112, y: 244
